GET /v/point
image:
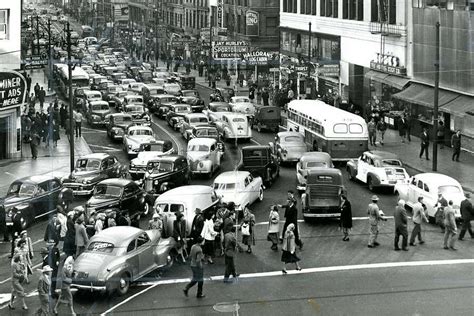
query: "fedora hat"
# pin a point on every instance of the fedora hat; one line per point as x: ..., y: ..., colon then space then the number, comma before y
x: 375, y: 198
x: 46, y: 269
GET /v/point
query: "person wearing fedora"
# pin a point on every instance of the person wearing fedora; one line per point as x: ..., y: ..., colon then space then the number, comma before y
x: 44, y: 290
x: 51, y: 257
x: 374, y: 218
x: 467, y: 214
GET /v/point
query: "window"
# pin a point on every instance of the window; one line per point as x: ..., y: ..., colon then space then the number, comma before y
x: 340, y: 128
x: 131, y: 246
x: 420, y: 185
x: 329, y: 8
x: 4, y: 24
x: 426, y: 187
x: 142, y: 239
x: 417, y: 3
x: 313, y: 7
x: 437, y: 3
x: 353, y: 10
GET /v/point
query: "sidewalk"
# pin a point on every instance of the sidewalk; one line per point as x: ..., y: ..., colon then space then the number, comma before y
x: 39, y: 76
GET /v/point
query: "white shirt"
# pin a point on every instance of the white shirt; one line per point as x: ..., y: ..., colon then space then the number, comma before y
x: 62, y: 219
x: 208, y: 232
x: 78, y: 117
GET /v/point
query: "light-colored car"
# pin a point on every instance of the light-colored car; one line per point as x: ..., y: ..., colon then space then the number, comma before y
x: 125, y: 83
x: 215, y: 110
x: 139, y: 113
x: 132, y: 99
x: 428, y: 185
x: 136, y: 87
x: 239, y: 187
x: 191, y: 120
x: 92, y: 95
x: 118, y: 256
x: 234, y: 126
x: 172, y: 88
x: 147, y: 152
x: 308, y: 161
x: 203, y: 155
x: 97, y: 112
x: 377, y: 169
x: 289, y: 146
x: 134, y: 137
x: 239, y: 99
x: 245, y: 108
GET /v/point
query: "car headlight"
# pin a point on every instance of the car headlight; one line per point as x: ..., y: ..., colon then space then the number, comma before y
x: 156, y: 182
x: 132, y: 165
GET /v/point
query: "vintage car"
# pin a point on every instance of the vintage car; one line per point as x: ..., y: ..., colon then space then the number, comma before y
x: 308, y: 161
x: 139, y: 114
x: 118, y: 256
x: 221, y: 94
x: 125, y: 83
x: 377, y: 169
x: 147, y: 152
x: 428, y: 185
x: 187, y: 81
x: 117, y: 193
x: 117, y: 100
x: 165, y: 173
x: 172, y: 89
x: 192, y: 98
x: 203, y: 156
x: 289, y: 146
x: 96, y: 81
x: 117, y: 124
x: 90, y: 170
x: 267, y: 117
x: 104, y: 85
x: 110, y: 91
x: 207, y: 131
x: 92, y: 95
x: 118, y: 77
x: 242, y: 105
x: 261, y: 162
x: 215, y: 110
x: 176, y: 114
x: 185, y: 199
x: 234, y: 126
x: 238, y: 99
x: 322, y: 195
x: 134, y: 137
x: 240, y: 187
x: 97, y: 112
x: 136, y: 87
x: 150, y: 90
x: 191, y: 120
x: 144, y: 76
x: 32, y: 197
x: 132, y: 99
x: 160, y: 104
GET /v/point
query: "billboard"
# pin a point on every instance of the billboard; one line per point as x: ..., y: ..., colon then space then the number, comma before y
x: 251, y: 21
x: 12, y: 89
x: 229, y: 50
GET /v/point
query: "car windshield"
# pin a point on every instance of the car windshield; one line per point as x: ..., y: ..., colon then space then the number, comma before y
x: 221, y: 108
x: 22, y: 189
x: 180, y: 109
x: 123, y: 119
x: 172, y: 88
x: 449, y: 189
x: 166, y: 100
x: 99, y: 107
x: 224, y: 186
x: 121, y: 93
x: 101, y: 246
x: 133, y: 100
x: 197, y: 147
x: 241, y: 100
x: 152, y: 147
x: 317, y: 164
x: 198, y: 120
x: 88, y: 164
x: 112, y: 89
x: 238, y: 119
x: 390, y: 163
x: 160, y: 166
x: 206, y: 132
x: 190, y: 94
x: 136, y: 108
x: 94, y: 96
x: 140, y: 132
x: 107, y: 191
x: 293, y: 139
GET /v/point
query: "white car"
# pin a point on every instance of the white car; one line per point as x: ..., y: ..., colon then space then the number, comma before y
x: 139, y: 113
x: 172, y: 88
x: 203, y: 155
x: 309, y: 161
x: 428, y: 185
x: 132, y: 99
x: 125, y: 83
x: 191, y: 120
x: 289, y: 146
x: 136, y: 87
x: 244, y: 108
x: 215, y: 110
x: 234, y: 126
x: 134, y: 137
x: 239, y: 187
x: 92, y: 95
x: 238, y: 99
x: 147, y: 152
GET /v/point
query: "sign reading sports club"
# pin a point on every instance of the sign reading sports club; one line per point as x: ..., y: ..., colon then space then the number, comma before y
x: 251, y: 21
x: 12, y: 89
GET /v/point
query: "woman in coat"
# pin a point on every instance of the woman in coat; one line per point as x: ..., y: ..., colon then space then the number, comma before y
x: 70, y: 238
x: 273, y: 226
x: 289, y: 249
x: 18, y: 279
x: 66, y: 295
x: 209, y: 235
x: 249, y: 239
x: 179, y: 234
x: 346, y: 217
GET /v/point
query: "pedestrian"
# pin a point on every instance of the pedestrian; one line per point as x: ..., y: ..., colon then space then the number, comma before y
x: 401, y: 228
x: 14, y: 230
x: 467, y: 214
x: 34, y: 143
x: 69, y: 247
x: 99, y: 223
x: 345, y: 222
x: 408, y: 124
x: 123, y: 219
x: 248, y: 239
x: 273, y: 227
x: 289, y: 249
x: 36, y: 89
x: 63, y: 115
x: 230, y: 247
x: 81, y: 236
x: 265, y: 96
x: 418, y: 217
x: 402, y: 128
x: 197, y: 258
x: 252, y: 93
x: 62, y: 222
x: 381, y: 128
x: 291, y: 217
x: 41, y: 98
x: 56, y: 136
x: 374, y: 217
x: 425, y: 143
x: 221, y: 214
x: 197, y: 224
x: 439, y: 215
x: 440, y: 134
x: 51, y: 257
x: 78, y: 123
x: 22, y: 251
x: 18, y: 279
x: 111, y: 219
x: 209, y: 236
x: 3, y: 224
x: 456, y: 145
x: 156, y: 222
x: 66, y: 278
x: 451, y: 228
x: 179, y: 235
x: 372, y: 128
x: 44, y: 291
x: 28, y: 83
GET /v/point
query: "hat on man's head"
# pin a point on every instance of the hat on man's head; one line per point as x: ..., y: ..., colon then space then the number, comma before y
x: 375, y: 198
x: 46, y: 269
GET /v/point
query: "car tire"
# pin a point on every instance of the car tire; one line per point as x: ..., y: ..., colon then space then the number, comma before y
x: 123, y: 284
x: 260, y: 194
x: 269, y: 177
x: 370, y: 184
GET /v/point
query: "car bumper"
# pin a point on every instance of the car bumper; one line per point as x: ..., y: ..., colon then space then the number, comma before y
x: 117, y: 137
x: 90, y: 287
x: 321, y: 215
x: 78, y: 189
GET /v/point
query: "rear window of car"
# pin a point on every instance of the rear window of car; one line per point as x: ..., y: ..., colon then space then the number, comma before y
x: 238, y: 119
x: 101, y: 246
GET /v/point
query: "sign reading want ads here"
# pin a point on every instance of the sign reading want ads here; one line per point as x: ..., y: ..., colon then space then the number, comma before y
x: 12, y: 89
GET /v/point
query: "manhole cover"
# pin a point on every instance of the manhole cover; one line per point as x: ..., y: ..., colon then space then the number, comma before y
x: 227, y: 307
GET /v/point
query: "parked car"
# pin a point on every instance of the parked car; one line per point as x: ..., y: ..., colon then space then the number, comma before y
x: 207, y: 131
x: 240, y: 187
x: 260, y: 161
x: 377, y: 169
x: 308, y: 161
x: 215, y: 110
x: 289, y: 146
x: 322, y: 195
x: 165, y: 173
x: 192, y: 98
x: 134, y: 137
x: 176, y: 114
x: 172, y: 89
x: 119, y: 256
x: 234, y: 126
x: 160, y: 104
x: 139, y: 114
x: 117, y: 124
x: 33, y: 197
x: 146, y: 152
x: 191, y: 120
x: 267, y: 117
x: 97, y: 112
x: 90, y: 170
x: 428, y: 185
x: 203, y: 156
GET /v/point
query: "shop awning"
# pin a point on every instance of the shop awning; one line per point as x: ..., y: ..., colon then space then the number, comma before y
x: 391, y: 80
x: 376, y: 76
x: 460, y: 105
x: 424, y: 95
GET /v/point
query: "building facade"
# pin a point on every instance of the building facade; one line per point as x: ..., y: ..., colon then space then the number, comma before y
x: 195, y: 16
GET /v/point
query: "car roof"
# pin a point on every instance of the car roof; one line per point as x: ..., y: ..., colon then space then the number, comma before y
x: 95, y: 156
x: 121, y: 114
x: 196, y: 115
x: 234, y: 114
x: 177, y: 193
x: 157, y: 141
x: 37, y: 178
x: 381, y: 154
x: 315, y: 156
x: 167, y: 158
x: 231, y: 176
x: 254, y: 147
x: 439, y: 178
x: 99, y: 102
x: 117, y: 234
x: 91, y: 92
x: 137, y: 127
x: 162, y: 96
x: 327, y: 171
x: 284, y: 134
x: 203, y: 141
x: 116, y: 181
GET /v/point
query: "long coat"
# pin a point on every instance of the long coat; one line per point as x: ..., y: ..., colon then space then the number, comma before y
x: 467, y: 211
x: 346, y: 215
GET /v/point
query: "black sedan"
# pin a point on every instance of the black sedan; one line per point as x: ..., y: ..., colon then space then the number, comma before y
x: 164, y: 173
x: 192, y: 98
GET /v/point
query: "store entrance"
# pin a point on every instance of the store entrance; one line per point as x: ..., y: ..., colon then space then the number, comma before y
x: 3, y: 137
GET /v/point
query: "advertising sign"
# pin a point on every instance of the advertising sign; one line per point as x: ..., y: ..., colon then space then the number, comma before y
x: 257, y: 58
x: 229, y: 50
x: 220, y: 14
x: 251, y: 21
x: 35, y: 61
x: 329, y: 70
x: 12, y: 89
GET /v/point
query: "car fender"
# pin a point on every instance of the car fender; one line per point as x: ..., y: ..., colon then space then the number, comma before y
x: 375, y: 178
x: 351, y: 167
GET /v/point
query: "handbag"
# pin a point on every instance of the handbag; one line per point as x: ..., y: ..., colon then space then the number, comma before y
x: 245, y: 230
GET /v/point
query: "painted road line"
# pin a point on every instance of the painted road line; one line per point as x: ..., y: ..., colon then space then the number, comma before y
x: 354, y: 219
x: 175, y: 140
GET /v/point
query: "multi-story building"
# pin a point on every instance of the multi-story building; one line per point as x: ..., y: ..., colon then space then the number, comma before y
x: 196, y: 16
x: 173, y: 14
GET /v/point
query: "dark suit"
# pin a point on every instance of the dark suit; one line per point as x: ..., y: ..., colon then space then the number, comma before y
x: 467, y: 213
x: 401, y: 229
x: 425, y: 143
x: 230, y: 245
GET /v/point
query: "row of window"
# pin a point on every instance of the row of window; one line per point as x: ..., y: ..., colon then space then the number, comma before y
x: 196, y: 19
x: 338, y: 128
x: 4, y: 24
x: 460, y: 5
x: 321, y: 48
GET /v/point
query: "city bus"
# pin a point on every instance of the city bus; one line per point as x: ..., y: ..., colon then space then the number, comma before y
x: 341, y: 134
x: 80, y: 78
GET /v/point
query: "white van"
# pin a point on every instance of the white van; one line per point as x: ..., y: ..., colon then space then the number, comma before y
x: 184, y: 199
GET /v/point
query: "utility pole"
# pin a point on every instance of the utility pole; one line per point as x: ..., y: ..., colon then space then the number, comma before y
x: 37, y: 36
x: 50, y: 64
x: 71, y: 114
x: 157, y: 45
x: 435, y: 105
x: 308, y: 79
x: 210, y: 48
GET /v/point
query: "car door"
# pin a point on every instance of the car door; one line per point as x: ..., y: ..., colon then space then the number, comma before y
x: 430, y: 198
x: 127, y: 200
x: 253, y: 188
x: 362, y: 166
x: 145, y: 252
x: 411, y: 191
x: 41, y: 199
x: 112, y: 167
x: 133, y: 257
x: 54, y: 190
x: 417, y: 191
